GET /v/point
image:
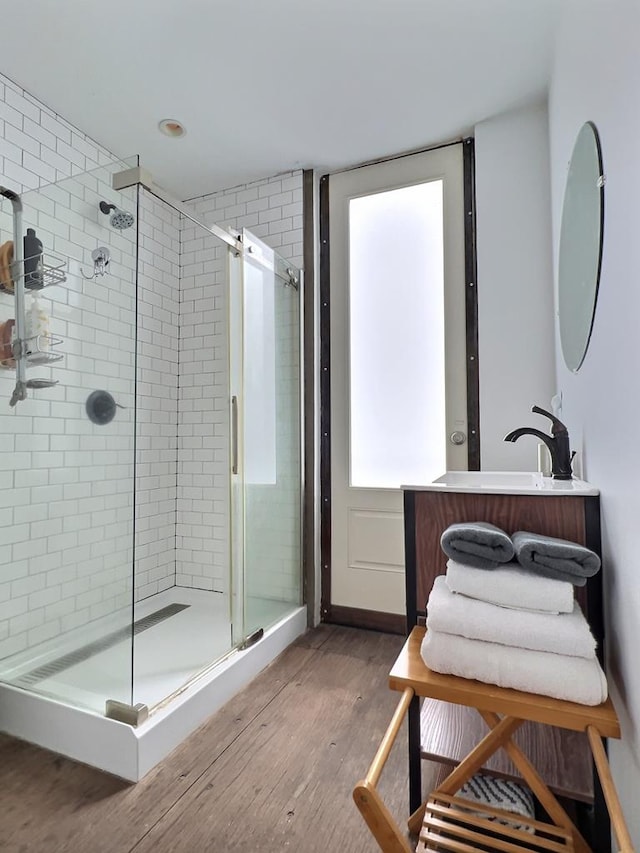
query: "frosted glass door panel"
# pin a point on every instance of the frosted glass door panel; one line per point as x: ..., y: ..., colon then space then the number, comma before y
x: 396, y: 337
x: 259, y: 377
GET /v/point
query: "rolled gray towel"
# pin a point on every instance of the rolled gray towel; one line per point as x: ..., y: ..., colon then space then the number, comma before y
x: 477, y: 544
x: 555, y: 558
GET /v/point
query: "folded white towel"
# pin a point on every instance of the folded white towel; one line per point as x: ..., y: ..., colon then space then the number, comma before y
x: 574, y: 679
x: 511, y: 586
x: 562, y: 633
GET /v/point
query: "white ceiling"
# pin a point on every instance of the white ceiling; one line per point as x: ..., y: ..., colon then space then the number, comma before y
x: 265, y: 86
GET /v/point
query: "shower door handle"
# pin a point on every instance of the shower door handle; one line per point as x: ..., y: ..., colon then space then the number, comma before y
x: 234, y: 435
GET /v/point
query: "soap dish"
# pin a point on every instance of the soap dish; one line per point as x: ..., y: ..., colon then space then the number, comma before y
x: 42, y: 349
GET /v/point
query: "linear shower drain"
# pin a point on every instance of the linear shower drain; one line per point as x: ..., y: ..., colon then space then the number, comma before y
x: 85, y: 652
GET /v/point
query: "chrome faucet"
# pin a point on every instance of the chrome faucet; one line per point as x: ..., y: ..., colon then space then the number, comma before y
x: 557, y: 442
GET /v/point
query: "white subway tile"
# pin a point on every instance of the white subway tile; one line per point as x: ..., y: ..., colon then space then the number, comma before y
x: 10, y: 115
x: 20, y: 176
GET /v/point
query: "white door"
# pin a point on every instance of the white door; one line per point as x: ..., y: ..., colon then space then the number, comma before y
x: 398, y: 360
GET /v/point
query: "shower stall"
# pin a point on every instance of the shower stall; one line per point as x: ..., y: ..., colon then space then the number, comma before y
x: 150, y: 533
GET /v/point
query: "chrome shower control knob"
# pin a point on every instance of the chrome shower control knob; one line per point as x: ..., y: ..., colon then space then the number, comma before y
x: 457, y: 437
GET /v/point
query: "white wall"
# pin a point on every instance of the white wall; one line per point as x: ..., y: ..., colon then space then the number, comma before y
x: 597, y: 78
x: 515, y: 294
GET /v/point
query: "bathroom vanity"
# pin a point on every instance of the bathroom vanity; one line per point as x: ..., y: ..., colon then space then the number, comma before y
x: 513, y: 501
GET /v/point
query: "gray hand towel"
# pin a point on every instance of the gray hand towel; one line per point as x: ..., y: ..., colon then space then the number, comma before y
x: 477, y: 544
x: 555, y: 558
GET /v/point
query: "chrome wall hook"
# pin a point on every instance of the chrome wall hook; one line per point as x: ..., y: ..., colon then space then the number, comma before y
x: 293, y: 280
x: 101, y: 258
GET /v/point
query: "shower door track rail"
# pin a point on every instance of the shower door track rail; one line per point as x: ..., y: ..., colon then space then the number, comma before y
x: 198, y: 676
x: 138, y: 175
x: 216, y: 230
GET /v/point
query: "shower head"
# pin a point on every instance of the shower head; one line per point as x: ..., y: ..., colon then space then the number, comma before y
x: 119, y: 219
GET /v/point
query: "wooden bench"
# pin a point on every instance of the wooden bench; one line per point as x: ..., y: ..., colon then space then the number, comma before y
x: 447, y: 822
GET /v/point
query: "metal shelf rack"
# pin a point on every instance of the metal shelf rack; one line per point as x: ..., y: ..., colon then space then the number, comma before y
x: 38, y: 349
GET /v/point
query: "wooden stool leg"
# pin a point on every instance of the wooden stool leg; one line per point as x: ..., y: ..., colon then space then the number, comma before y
x: 436, y: 773
x: 498, y: 736
x: 377, y: 816
x: 465, y: 770
x: 415, y: 759
x: 538, y: 786
x: 379, y: 819
x: 414, y: 823
x: 610, y: 794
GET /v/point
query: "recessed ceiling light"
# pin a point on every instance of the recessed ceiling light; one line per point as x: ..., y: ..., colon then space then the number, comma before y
x: 171, y: 127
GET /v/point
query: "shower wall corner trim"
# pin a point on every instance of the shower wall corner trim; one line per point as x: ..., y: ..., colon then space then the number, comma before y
x: 131, y: 177
x: 139, y: 176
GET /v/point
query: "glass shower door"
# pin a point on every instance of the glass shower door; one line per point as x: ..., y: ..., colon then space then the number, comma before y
x: 265, y: 414
x: 66, y: 534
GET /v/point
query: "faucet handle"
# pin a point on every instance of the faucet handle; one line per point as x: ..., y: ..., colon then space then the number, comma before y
x: 556, y: 425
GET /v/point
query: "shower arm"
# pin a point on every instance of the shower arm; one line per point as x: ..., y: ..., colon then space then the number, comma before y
x: 20, y: 391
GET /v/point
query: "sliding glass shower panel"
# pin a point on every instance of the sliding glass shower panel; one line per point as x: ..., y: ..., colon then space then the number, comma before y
x: 270, y: 434
x: 67, y: 452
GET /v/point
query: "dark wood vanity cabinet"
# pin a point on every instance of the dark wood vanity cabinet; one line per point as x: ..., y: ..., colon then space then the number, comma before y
x: 428, y: 513
x: 445, y: 732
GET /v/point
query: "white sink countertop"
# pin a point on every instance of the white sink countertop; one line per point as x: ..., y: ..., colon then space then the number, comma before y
x: 505, y: 483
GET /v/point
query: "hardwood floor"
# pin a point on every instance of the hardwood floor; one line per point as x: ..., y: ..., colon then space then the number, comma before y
x: 272, y: 771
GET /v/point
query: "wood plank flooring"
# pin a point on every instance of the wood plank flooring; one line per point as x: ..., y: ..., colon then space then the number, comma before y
x: 272, y: 771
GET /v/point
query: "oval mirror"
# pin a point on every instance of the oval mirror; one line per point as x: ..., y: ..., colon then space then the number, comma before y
x: 580, y: 253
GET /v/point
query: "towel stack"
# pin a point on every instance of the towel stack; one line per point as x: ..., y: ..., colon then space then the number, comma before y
x: 505, y: 614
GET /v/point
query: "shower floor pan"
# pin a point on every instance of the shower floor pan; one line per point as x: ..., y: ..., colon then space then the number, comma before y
x: 165, y: 666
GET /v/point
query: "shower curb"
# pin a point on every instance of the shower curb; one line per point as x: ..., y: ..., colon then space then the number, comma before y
x: 129, y: 753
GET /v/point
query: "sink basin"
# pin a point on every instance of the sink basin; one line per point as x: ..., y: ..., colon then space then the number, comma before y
x: 505, y: 482
x: 486, y: 479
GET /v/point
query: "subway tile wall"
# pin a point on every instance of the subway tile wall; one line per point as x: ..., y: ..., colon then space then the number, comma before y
x: 37, y: 146
x: 68, y: 484
x: 270, y: 208
x: 157, y: 395
x: 66, y: 551
x: 66, y: 555
x: 202, y: 509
